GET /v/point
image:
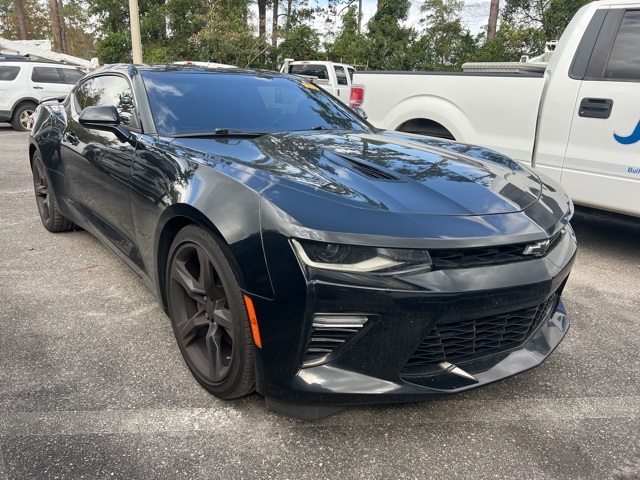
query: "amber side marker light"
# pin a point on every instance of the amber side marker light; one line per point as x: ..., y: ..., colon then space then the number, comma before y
x: 253, y: 320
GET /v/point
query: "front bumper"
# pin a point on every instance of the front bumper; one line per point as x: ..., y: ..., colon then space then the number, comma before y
x: 376, y: 365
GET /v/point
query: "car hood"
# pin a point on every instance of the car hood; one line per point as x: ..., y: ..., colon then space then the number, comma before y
x: 387, y: 171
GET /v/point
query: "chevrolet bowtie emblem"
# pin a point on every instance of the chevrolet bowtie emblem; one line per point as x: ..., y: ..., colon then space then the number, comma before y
x: 537, y: 249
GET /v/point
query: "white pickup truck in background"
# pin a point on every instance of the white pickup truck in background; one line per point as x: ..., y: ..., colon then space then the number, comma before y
x: 335, y: 78
x: 578, y: 121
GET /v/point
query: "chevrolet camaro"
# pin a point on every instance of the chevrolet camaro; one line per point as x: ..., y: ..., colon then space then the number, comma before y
x: 299, y: 251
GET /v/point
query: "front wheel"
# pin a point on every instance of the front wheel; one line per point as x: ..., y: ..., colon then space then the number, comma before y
x: 208, y: 314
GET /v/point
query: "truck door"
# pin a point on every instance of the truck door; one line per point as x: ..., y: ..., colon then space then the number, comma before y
x: 601, y: 168
x: 343, y: 86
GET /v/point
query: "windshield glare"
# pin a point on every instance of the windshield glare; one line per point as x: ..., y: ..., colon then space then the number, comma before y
x: 200, y: 101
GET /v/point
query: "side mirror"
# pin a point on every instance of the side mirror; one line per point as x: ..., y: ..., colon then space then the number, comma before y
x: 360, y: 111
x: 104, y: 118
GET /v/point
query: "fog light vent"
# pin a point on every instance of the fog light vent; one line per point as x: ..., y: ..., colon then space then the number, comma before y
x: 329, y: 333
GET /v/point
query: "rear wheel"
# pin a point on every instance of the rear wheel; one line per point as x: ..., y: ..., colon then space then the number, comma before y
x: 208, y: 314
x: 51, y: 218
x: 23, y: 117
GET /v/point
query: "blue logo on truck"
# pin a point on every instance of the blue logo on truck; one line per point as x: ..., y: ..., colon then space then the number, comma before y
x: 633, y: 138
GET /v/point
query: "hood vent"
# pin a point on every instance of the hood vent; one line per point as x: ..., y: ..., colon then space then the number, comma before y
x: 366, y: 169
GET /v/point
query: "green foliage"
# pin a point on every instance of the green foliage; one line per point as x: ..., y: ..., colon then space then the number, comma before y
x: 36, y: 17
x: 388, y: 41
x: 222, y: 31
x: 350, y: 46
x: 540, y: 21
x: 302, y: 42
x: 446, y: 44
x: 227, y: 38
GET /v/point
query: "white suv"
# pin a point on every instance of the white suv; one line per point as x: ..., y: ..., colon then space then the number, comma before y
x: 24, y: 83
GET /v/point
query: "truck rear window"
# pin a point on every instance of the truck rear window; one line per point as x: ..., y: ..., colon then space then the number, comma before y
x: 8, y: 73
x: 319, y: 71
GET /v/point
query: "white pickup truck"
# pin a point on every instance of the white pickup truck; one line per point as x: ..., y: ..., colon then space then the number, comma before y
x: 335, y: 78
x: 578, y: 121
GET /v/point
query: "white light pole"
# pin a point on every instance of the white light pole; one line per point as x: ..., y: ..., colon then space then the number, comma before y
x: 136, y: 43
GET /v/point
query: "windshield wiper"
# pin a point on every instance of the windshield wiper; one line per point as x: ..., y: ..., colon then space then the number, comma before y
x: 319, y: 127
x: 219, y: 132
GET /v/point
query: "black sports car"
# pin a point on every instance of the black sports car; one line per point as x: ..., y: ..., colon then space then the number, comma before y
x: 298, y: 250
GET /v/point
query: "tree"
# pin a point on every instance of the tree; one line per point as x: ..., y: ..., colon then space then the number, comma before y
x: 388, y: 46
x: 350, y: 45
x: 58, y: 27
x: 227, y: 38
x: 23, y: 20
x: 301, y: 41
x: 22, y: 24
x: 548, y: 18
x: 446, y: 44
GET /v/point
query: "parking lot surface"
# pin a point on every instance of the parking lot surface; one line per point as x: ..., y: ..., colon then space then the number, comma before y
x: 92, y: 384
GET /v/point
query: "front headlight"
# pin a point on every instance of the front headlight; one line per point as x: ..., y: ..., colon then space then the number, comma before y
x: 359, y: 259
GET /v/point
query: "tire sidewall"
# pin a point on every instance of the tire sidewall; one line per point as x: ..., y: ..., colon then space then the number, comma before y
x: 15, y: 121
x: 210, y: 244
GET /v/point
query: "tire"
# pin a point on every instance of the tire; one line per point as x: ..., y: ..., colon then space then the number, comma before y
x: 51, y: 218
x: 208, y: 314
x: 22, y: 119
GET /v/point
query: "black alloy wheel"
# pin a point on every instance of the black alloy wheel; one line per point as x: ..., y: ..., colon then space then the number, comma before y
x: 51, y: 218
x: 208, y: 314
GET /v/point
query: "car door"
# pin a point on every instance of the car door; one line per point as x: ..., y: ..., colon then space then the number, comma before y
x: 97, y: 164
x: 602, y: 162
x: 48, y: 82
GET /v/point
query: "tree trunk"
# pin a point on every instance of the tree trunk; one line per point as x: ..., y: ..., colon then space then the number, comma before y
x: 359, y: 16
x: 56, y: 29
x: 274, y: 23
x: 493, y: 20
x: 63, y: 29
x: 262, y: 17
x: 22, y: 23
x: 289, y: 7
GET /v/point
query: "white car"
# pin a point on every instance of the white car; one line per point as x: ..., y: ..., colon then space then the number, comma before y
x: 24, y: 83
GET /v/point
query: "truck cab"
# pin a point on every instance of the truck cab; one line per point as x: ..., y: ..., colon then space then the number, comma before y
x: 335, y: 78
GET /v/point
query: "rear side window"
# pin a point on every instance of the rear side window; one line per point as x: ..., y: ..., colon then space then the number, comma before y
x: 71, y: 76
x: 624, y: 61
x: 8, y: 73
x: 319, y: 71
x: 46, y: 75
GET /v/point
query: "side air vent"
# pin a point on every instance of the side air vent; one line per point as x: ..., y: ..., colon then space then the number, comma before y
x: 329, y: 333
x: 367, y: 170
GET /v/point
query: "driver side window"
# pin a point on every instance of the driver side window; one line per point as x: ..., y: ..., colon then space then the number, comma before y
x: 109, y: 90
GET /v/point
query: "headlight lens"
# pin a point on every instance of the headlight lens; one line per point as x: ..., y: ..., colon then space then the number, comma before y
x: 359, y: 259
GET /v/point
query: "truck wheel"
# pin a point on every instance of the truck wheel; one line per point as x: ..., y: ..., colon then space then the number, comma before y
x: 23, y: 117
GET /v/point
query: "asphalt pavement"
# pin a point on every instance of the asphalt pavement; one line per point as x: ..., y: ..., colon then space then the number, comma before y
x: 92, y: 384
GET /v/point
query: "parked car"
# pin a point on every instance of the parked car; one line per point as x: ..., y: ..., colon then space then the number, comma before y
x: 577, y: 121
x: 299, y: 252
x: 24, y: 83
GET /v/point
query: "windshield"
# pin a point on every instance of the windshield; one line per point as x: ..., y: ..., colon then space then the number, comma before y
x: 201, y: 101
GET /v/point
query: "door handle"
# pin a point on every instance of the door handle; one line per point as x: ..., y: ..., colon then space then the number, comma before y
x: 72, y: 138
x: 37, y: 88
x: 595, y: 107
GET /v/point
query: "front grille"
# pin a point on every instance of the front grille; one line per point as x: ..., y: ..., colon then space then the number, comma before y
x: 461, y: 340
x: 477, y: 257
